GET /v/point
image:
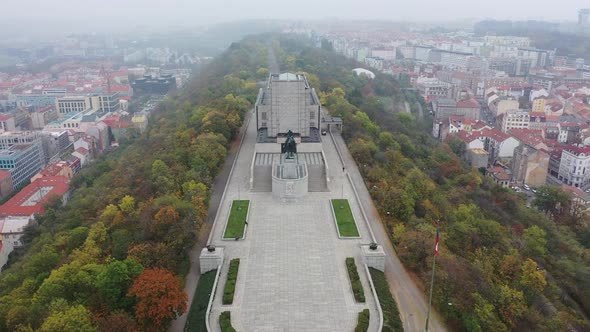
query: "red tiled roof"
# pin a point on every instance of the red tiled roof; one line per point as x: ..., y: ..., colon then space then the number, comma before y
x: 5, y: 117
x: 494, y: 134
x: 470, y: 103
x: 464, y: 136
x: 53, y: 169
x: 528, y: 136
x: 499, y: 173
x: 14, y: 207
x: 4, y: 175
x: 577, y: 150
x: 82, y: 151
x: 538, y: 114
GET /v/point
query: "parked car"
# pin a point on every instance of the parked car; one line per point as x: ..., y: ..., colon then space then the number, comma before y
x: 324, y: 132
x: 526, y: 187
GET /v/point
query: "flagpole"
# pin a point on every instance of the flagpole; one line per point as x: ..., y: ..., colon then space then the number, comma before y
x: 432, y: 280
x: 431, y: 287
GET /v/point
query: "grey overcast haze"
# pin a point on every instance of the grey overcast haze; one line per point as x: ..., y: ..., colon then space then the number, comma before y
x: 83, y: 15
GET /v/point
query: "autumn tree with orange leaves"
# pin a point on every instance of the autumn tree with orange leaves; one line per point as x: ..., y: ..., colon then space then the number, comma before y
x: 160, y: 298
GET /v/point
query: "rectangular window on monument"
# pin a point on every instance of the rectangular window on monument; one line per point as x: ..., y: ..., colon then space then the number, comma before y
x: 263, y: 115
x: 311, y: 115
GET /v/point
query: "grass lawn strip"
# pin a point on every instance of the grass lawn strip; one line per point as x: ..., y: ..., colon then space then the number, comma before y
x: 391, y: 318
x: 355, y: 281
x: 236, y: 223
x: 197, y: 315
x: 225, y: 322
x: 230, y: 284
x: 344, y: 218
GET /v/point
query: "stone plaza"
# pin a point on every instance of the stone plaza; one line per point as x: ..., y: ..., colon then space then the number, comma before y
x: 292, y: 274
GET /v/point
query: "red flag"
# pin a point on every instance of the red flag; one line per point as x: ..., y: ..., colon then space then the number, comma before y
x: 437, y: 240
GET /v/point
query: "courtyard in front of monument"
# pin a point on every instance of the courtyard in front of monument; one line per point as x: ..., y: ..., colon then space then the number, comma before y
x: 292, y: 274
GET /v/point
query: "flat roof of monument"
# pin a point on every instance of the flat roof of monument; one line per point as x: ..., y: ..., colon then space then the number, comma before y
x: 289, y: 77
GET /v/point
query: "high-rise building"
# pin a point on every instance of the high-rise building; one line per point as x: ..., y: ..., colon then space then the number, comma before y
x: 583, y: 16
x: 22, y: 161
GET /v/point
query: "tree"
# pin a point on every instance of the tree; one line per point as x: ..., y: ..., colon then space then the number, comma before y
x: 535, y: 241
x: 160, y: 297
x: 262, y: 73
x: 114, y: 280
x: 550, y: 199
x: 531, y: 277
x: 68, y: 318
x: 511, y: 305
x: 119, y: 321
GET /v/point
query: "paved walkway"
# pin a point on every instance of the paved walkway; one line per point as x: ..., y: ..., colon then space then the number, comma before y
x: 292, y: 273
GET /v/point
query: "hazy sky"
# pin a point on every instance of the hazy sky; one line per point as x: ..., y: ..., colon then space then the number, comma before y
x: 194, y: 12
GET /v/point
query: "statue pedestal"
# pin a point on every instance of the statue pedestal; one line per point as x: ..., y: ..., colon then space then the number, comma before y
x: 374, y: 258
x: 210, y: 260
x: 289, y: 178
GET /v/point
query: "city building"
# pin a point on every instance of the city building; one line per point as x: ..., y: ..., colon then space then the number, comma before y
x: 432, y: 87
x: 32, y: 198
x: 156, y: 85
x: 583, y: 16
x: 7, y: 122
x: 500, y: 175
x: 22, y: 161
x: 11, y: 232
x: 58, y: 168
x: 42, y: 116
x: 96, y: 102
x: 530, y: 165
x: 443, y: 108
x: 5, y: 184
x: 514, y: 119
x: 574, y: 167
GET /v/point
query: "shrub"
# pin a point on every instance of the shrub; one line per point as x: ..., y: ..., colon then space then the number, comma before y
x: 391, y: 318
x: 225, y: 322
x: 355, y: 281
x: 362, y: 324
x: 197, y: 314
x: 230, y: 284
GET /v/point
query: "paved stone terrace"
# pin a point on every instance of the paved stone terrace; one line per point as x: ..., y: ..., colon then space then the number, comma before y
x: 292, y: 273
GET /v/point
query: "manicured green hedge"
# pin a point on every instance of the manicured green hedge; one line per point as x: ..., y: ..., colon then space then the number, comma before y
x: 391, y: 318
x: 225, y: 322
x: 362, y: 324
x: 230, y: 284
x: 357, y: 287
x: 197, y: 314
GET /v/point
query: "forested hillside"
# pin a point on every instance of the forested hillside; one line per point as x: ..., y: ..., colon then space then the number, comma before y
x: 501, y: 266
x: 103, y: 262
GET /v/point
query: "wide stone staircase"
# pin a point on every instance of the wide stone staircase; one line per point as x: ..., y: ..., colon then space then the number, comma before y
x: 263, y: 171
x: 316, y: 171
